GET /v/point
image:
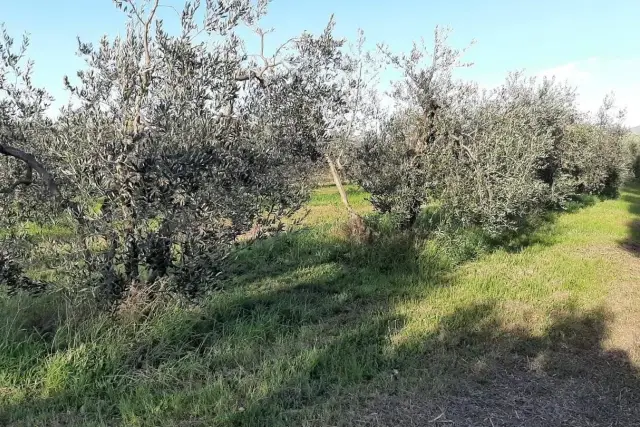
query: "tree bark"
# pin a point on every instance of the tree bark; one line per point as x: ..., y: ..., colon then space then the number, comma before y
x: 338, y: 182
x: 358, y: 229
x: 32, y: 164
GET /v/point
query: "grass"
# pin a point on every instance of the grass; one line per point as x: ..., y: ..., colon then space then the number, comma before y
x: 325, y: 204
x: 313, y: 329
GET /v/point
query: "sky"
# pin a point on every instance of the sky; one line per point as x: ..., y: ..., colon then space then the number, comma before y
x: 592, y: 44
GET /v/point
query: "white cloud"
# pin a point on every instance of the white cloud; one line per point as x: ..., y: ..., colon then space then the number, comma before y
x: 571, y: 72
x: 596, y: 77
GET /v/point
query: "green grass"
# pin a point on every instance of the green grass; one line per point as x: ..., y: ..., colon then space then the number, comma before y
x: 325, y: 204
x: 313, y: 329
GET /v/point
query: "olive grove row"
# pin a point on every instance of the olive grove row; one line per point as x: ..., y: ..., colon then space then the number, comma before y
x: 174, y: 143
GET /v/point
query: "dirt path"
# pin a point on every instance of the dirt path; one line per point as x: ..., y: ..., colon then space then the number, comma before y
x: 624, y: 303
x: 584, y: 372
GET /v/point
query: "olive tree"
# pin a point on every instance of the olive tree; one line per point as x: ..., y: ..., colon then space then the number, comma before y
x: 174, y: 145
x: 396, y: 161
x: 490, y: 161
x: 491, y: 158
x: 357, y: 81
x: 599, y: 162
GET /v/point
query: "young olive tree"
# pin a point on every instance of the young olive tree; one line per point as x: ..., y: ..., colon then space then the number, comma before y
x: 395, y: 162
x: 334, y: 87
x: 357, y: 79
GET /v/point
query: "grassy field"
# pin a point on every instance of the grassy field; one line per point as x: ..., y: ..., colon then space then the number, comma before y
x: 539, y: 330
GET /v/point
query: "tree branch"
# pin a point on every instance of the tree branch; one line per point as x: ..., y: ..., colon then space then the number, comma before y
x: 251, y: 74
x: 269, y: 63
x: 32, y: 164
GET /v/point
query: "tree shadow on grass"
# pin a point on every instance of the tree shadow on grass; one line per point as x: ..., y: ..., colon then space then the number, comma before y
x: 303, y: 315
x: 491, y: 375
x: 393, y: 250
x: 299, y: 356
x: 470, y: 371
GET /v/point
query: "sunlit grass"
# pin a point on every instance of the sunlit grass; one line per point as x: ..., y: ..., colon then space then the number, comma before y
x: 325, y: 205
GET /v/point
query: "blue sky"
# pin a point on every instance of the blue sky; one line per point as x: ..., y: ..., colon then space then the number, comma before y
x: 593, y: 44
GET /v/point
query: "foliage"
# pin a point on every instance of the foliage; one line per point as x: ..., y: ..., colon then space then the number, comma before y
x: 394, y: 161
x: 597, y: 159
x: 166, y: 161
x: 489, y: 163
x: 386, y: 165
x: 24, y: 133
x: 632, y: 143
x: 491, y: 158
